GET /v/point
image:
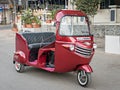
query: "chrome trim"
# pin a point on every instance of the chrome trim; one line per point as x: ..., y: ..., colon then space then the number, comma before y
x: 83, y: 51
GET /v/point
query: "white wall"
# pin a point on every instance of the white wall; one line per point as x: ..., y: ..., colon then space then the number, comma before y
x: 103, y: 16
x: 112, y: 44
x: 118, y: 15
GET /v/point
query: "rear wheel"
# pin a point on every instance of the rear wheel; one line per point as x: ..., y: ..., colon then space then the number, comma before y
x: 19, y: 67
x: 84, y: 78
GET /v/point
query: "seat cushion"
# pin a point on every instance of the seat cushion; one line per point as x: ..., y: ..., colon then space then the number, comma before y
x: 37, y: 45
x: 39, y: 37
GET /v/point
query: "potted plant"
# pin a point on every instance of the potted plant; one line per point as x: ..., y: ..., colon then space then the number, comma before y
x: 27, y: 18
x: 36, y: 23
x: 53, y: 12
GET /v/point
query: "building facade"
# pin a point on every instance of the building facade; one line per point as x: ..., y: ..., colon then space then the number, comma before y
x: 5, y: 11
x: 108, y: 12
x: 41, y: 4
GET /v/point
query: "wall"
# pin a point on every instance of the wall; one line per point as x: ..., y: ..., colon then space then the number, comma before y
x: 103, y: 16
x: 118, y: 15
x: 100, y: 31
x: 103, y: 26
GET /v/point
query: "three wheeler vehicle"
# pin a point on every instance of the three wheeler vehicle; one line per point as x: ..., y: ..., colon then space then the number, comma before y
x: 71, y: 48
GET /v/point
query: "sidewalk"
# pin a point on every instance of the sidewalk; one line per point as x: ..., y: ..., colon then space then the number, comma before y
x: 5, y: 27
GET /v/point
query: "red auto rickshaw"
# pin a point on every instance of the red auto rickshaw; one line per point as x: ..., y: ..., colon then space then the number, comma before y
x: 71, y: 48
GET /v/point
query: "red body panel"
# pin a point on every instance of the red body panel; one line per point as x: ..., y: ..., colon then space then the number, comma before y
x: 22, y: 50
x: 62, y: 13
x: 86, y: 68
x: 20, y: 56
x: 65, y: 60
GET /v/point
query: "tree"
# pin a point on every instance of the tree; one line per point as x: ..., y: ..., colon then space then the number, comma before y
x: 90, y: 7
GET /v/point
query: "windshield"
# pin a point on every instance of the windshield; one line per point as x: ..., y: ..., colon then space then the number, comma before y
x: 73, y: 26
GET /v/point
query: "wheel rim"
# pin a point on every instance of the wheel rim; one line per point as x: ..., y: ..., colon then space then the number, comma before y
x: 17, y: 66
x: 82, y: 78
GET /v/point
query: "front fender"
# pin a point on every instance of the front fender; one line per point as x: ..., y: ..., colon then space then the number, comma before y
x: 86, y: 68
x: 20, y: 57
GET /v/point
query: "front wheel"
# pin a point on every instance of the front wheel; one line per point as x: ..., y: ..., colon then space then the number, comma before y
x: 84, y: 78
x: 19, y: 67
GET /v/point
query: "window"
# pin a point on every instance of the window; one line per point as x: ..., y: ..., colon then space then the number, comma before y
x: 73, y: 26
x: 112, y: 17
x: 52, y: 4
x: 104, y: 4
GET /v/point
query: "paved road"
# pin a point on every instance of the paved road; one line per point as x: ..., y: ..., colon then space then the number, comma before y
x: 106, y: 75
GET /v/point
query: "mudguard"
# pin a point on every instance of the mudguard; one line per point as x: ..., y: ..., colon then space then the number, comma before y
x: 20, y: 57
x: 86, y: 68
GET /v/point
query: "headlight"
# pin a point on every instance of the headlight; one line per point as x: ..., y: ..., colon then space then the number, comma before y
x: 72, y: 47
x: 87, y: 43
x: 94, y: 45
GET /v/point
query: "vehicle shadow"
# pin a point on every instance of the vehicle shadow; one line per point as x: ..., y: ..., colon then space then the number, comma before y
x: 69, y: 78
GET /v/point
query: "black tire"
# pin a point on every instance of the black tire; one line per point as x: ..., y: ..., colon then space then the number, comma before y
x: 84, y: 78
x: 19, y: 67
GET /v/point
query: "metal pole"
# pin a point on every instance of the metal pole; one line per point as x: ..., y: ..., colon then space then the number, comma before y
x: 43, y: 3
x: 26, y: 4
x: 65, y: 4
x: 4, y: 15
x: 14, y: 11
x: 109, y: 2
